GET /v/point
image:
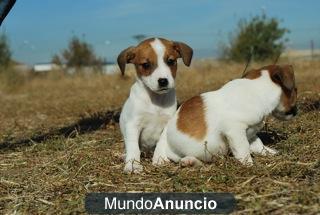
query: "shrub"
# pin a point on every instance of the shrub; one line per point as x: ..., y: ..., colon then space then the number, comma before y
x: 78, y: 54
x: 260, y: 39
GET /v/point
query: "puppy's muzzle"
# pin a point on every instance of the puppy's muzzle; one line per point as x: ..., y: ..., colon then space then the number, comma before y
x: 293, y: 111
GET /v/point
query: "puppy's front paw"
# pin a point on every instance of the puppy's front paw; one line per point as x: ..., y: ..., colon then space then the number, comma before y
x: 133, y: 167
x: 270, y: 151
x: 267, y: 151
x: 247, y: 161
x: 158, y: 161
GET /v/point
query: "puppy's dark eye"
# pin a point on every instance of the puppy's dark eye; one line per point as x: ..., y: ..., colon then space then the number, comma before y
x: 146, y: 65
x: 171, y: 62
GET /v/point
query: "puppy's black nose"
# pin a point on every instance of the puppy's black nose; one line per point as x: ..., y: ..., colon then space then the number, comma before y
x: 293, y: 111
x: 163, y: 82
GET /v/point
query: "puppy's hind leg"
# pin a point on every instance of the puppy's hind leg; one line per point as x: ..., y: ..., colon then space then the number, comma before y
x: 239, y: 145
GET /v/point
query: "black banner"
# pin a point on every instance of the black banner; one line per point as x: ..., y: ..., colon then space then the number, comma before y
x: 159, y: 203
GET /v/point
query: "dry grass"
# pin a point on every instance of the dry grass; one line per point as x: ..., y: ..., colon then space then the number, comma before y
x: 58, y: 141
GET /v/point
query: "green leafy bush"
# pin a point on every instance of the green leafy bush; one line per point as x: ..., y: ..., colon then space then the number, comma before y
x: 261, y: 38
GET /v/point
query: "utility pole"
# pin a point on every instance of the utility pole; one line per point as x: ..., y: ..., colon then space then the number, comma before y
x: 312, y: 49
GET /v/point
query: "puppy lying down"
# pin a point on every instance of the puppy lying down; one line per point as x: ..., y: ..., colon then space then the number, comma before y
x: 229, y: 118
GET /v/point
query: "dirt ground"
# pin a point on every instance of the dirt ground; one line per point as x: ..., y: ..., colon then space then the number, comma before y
x: 59, y: 139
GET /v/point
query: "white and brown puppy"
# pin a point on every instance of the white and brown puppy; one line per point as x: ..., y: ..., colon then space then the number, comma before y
x: 152, y: 101
x: 230, y: 117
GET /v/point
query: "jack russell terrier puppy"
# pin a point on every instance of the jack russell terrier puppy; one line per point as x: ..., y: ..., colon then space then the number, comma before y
x: 152, y: 100
x: 209, y: 124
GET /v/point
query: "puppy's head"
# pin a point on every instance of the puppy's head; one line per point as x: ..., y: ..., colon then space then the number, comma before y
x: 284, y: 77
x: 155, y: 61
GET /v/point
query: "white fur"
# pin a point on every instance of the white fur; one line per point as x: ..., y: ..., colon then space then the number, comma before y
x: 233, y: 114
x: 146, y: 111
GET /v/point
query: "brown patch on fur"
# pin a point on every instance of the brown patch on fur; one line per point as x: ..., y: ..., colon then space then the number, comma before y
x: 284, y: 77
x: 191, y: 118
x: 289, y: 99
x: 184, y: 51
x: 171, y: 54
x: 252, y: 74
x: 144, y: 54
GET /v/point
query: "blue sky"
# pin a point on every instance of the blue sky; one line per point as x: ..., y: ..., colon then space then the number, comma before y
x: 37, y: 29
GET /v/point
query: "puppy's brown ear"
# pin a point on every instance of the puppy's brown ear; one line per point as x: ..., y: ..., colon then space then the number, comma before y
x: 284, y: 76
x: 185, y: 52
x: 126, y: 56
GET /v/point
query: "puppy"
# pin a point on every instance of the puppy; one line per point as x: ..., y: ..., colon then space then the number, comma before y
x: 152, y: 100
x: 207, y: 124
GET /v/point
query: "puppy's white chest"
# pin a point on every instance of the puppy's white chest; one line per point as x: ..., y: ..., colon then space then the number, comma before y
x: 152, y: 125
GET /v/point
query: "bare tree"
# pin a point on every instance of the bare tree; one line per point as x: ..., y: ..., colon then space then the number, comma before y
x: 5, y: 53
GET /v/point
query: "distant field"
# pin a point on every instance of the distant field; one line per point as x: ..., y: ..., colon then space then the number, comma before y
x: 59, y: 139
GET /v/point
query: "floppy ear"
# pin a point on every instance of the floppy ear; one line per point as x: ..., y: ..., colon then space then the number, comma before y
x: 285, y: 77
x: 185, y: 52
x: 125, y: 57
